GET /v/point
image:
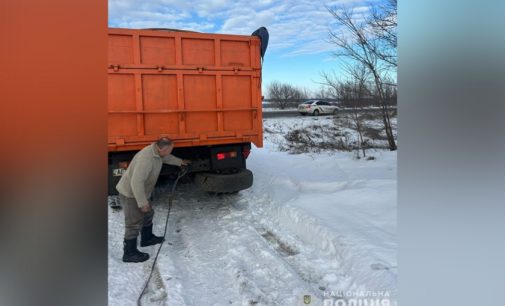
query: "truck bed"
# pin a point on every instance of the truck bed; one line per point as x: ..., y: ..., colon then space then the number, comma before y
x: 195, y: 88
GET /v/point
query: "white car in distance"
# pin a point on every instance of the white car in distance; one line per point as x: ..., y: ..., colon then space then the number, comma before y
x: 317, y: 107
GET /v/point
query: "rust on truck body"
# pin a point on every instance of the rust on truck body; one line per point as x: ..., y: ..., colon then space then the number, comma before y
x: 198, y: 89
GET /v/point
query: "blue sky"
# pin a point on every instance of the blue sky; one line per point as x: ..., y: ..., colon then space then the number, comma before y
x: 298, y: 49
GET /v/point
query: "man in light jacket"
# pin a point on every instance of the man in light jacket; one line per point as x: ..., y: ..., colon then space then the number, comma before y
x: 135, y: 187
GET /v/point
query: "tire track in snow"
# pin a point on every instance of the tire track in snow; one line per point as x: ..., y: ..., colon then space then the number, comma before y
x: 326, y: 259
x: 233, y: 250
x: 218, y: 257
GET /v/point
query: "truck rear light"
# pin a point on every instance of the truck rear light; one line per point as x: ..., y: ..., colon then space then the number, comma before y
x: 224, y: 155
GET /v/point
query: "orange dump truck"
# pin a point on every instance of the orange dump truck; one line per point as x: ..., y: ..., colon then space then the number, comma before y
x: 201, y: 90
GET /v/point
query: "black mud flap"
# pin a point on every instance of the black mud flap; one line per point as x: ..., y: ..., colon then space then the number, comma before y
x: 213, y: 182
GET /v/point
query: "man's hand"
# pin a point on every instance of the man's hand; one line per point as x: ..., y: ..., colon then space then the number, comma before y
x: 185, y: 162
x: 146, y: 208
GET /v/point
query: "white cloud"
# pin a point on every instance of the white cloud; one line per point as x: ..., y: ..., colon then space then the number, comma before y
x: 296, y: 27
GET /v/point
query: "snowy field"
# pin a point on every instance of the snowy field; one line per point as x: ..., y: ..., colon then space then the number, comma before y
x: 320, y: 223
x: 309, y: 134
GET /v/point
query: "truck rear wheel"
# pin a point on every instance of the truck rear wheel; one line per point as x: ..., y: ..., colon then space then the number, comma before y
x: 227, y: 183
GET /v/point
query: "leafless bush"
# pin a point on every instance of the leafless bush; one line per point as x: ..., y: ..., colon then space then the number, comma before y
x: 283, y: 94
x: 369, y: 116
x: 374, y: 134
x: 315, y: 139
x: 352, y: 94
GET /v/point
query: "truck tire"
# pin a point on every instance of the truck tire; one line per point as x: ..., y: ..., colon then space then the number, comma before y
x: 228, y: 183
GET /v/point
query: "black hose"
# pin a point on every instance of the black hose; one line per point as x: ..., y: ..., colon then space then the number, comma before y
x: 183, y: 172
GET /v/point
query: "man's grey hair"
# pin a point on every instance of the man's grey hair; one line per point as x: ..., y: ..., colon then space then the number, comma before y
x: 164, y: 142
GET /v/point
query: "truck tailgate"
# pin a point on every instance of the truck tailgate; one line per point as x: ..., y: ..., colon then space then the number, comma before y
x: 197, y: 89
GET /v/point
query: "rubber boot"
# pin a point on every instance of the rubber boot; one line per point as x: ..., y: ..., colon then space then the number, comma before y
x: 147, y: 237
x: 131, y: 254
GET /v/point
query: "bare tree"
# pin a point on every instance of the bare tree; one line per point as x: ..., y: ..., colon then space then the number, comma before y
x: 352, y: 93
x: 275, y: 93
x: 384, y: 23
x: 324, y: 92
x: 390, y: 91
x: 359, y: 44
x: 305, y: 93
x: 283, y: 94
x: 360, y: 75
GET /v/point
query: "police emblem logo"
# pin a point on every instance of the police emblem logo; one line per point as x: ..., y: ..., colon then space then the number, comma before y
x: 306, y: 299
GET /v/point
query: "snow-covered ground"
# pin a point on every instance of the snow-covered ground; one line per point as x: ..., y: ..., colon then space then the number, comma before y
x: 273, y: 108
x: 317, y: 133
x: 319, y: 224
